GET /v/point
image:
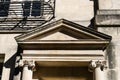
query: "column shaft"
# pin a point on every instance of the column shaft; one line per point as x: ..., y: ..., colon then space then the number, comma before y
x: 27, y: 73
x: 99, y: 74
x: 97, y: 67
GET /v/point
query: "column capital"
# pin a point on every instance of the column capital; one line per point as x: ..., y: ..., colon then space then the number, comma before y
x: 97, y: 63
x: 29, y: 64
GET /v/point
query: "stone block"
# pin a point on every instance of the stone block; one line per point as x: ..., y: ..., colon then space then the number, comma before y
x: 108, y: 18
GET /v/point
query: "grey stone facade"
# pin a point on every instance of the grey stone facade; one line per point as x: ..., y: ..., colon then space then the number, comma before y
x: 103, y: 16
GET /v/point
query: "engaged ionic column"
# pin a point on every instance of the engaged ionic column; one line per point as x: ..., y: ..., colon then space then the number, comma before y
x: 27, y: 70
x: 97, y: 67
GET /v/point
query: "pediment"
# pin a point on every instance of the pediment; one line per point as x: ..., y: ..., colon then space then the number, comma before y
x: 57, y: 36
x: 63, y: 31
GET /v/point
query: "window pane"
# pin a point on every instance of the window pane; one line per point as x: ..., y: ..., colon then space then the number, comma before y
x: 26, y: 8
x: 4, y: 8
x: 36, y: 8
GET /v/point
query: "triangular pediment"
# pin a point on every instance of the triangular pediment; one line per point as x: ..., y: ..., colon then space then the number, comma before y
x: 62, y: 31
x: 57, y: 36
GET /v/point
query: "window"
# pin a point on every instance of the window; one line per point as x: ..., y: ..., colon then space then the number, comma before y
x: 36, y: 8
x: 26, y: 8
x: 4, y: 8
x: 32, y: 8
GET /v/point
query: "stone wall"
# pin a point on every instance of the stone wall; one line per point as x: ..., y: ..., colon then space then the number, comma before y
x: 8, y: 47
x: 79, y: 11
x: 109, y: 4
x: 112, y: 52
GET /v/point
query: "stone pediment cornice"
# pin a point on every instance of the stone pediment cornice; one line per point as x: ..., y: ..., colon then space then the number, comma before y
x: 62, y: 32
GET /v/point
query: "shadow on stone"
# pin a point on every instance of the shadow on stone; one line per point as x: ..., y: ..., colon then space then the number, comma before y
x: 110, y: 54
x: 11, y: 64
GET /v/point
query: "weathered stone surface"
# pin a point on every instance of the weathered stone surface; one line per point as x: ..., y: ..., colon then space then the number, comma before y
x: 81, y: 12
x: 112, y: 52
x: 109, y: 4
x: 75, y: 11
x: 8, y: 47
x: 108, y: 18
x: 112, y: 75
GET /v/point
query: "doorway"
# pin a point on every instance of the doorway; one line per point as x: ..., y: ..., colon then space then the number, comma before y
x: 59, y: 72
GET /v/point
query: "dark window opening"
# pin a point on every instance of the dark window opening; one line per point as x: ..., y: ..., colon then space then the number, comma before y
x: 26, y: 8
x: 36, y: 7
x: 32, y: 8
x: 4, y: 8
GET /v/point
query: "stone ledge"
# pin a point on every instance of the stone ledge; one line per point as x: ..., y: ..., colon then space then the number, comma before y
x: 108, y: 18
x: 12, y: 31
